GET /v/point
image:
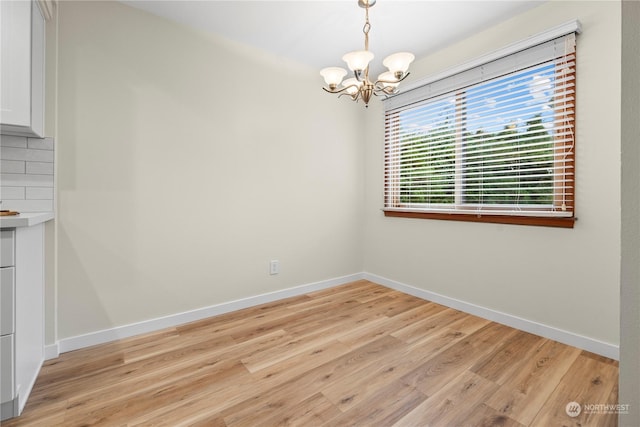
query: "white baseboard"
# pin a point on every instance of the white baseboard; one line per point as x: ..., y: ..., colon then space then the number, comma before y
x: 602, y: 348
x: 51, y: 351
x: 120, y: 332
x: 100, y: 337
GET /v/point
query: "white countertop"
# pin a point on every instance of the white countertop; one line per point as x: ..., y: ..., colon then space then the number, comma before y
x: 25, y: 219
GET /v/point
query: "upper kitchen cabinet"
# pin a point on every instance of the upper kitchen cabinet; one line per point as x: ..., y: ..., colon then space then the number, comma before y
x: 22, y: 66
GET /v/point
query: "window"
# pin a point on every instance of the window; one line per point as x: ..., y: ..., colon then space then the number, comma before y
x: 493, y: 143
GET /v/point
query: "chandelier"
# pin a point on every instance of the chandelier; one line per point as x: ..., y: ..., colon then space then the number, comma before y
x: 360, y: 86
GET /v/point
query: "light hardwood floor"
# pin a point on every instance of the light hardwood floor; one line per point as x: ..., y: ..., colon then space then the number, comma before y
x: 358, y: 354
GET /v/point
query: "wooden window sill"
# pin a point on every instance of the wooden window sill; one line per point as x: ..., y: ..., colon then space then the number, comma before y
x: 496, y: 219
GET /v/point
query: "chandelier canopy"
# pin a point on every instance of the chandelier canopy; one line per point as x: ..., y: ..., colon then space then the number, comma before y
x: 360, y: 86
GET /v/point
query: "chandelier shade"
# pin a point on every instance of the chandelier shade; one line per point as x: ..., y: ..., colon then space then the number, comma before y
x: 333, y: 75
x: 360, y: 87
x: 388, y: 79
x: 358, y: 60
x: 398, y: 62
x: 352, y: 86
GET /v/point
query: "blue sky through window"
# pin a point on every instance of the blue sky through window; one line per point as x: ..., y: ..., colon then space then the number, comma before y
x: 511, y: 101
x: 492, y: 106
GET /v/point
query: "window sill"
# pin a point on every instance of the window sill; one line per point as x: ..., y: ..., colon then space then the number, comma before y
x: 496, y: 219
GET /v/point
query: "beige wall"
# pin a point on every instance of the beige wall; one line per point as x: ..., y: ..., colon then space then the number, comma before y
x: 185, y: 164
x: 563, y: 278
x: 181, y: 173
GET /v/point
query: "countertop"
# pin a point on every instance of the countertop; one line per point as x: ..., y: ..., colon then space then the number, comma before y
x: 25, y: 219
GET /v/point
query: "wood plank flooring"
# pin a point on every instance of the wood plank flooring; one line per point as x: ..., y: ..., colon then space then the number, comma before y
x: 354, y: 355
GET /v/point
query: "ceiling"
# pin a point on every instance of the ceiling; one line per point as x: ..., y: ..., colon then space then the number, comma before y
x: 318, y: 33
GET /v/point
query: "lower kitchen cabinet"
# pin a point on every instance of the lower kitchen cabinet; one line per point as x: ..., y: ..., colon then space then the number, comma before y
x: 22, y: 316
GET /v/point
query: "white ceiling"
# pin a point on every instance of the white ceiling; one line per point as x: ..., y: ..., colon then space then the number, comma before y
x: 318, y: 33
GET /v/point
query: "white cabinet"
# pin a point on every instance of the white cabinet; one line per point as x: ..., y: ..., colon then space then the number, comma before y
x: 7, y: 301
x: 22, y: 316
x: 7, y: 238
x: 7, y: 317
x: 7, y: 364
x: 22, y: 68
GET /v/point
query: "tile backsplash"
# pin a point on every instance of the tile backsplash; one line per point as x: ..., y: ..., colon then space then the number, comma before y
x: 26, y: 173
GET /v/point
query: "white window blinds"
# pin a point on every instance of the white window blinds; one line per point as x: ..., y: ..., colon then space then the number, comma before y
x: 497, y: 139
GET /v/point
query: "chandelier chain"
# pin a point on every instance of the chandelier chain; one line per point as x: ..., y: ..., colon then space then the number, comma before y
x: 366, y: 28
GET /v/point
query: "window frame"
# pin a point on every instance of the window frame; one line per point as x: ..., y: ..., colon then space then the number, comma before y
x: 392, y: 206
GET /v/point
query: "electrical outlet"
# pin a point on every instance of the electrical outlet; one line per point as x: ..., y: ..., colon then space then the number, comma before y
x: 274, y: 267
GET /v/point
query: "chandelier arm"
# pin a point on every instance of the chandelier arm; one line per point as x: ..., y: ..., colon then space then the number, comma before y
x: 392, y: 81
x: 353, y: 97
x: 342, y: 90
x: 379, y: 84
x: 337, y: 90
x: 383, y: 92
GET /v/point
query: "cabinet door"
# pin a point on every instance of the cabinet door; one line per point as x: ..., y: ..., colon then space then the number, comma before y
x: 7, y: 247
x: 7, y: 300
x: 7, y: 382
x: 16, y: 62
x: 22, y: 73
